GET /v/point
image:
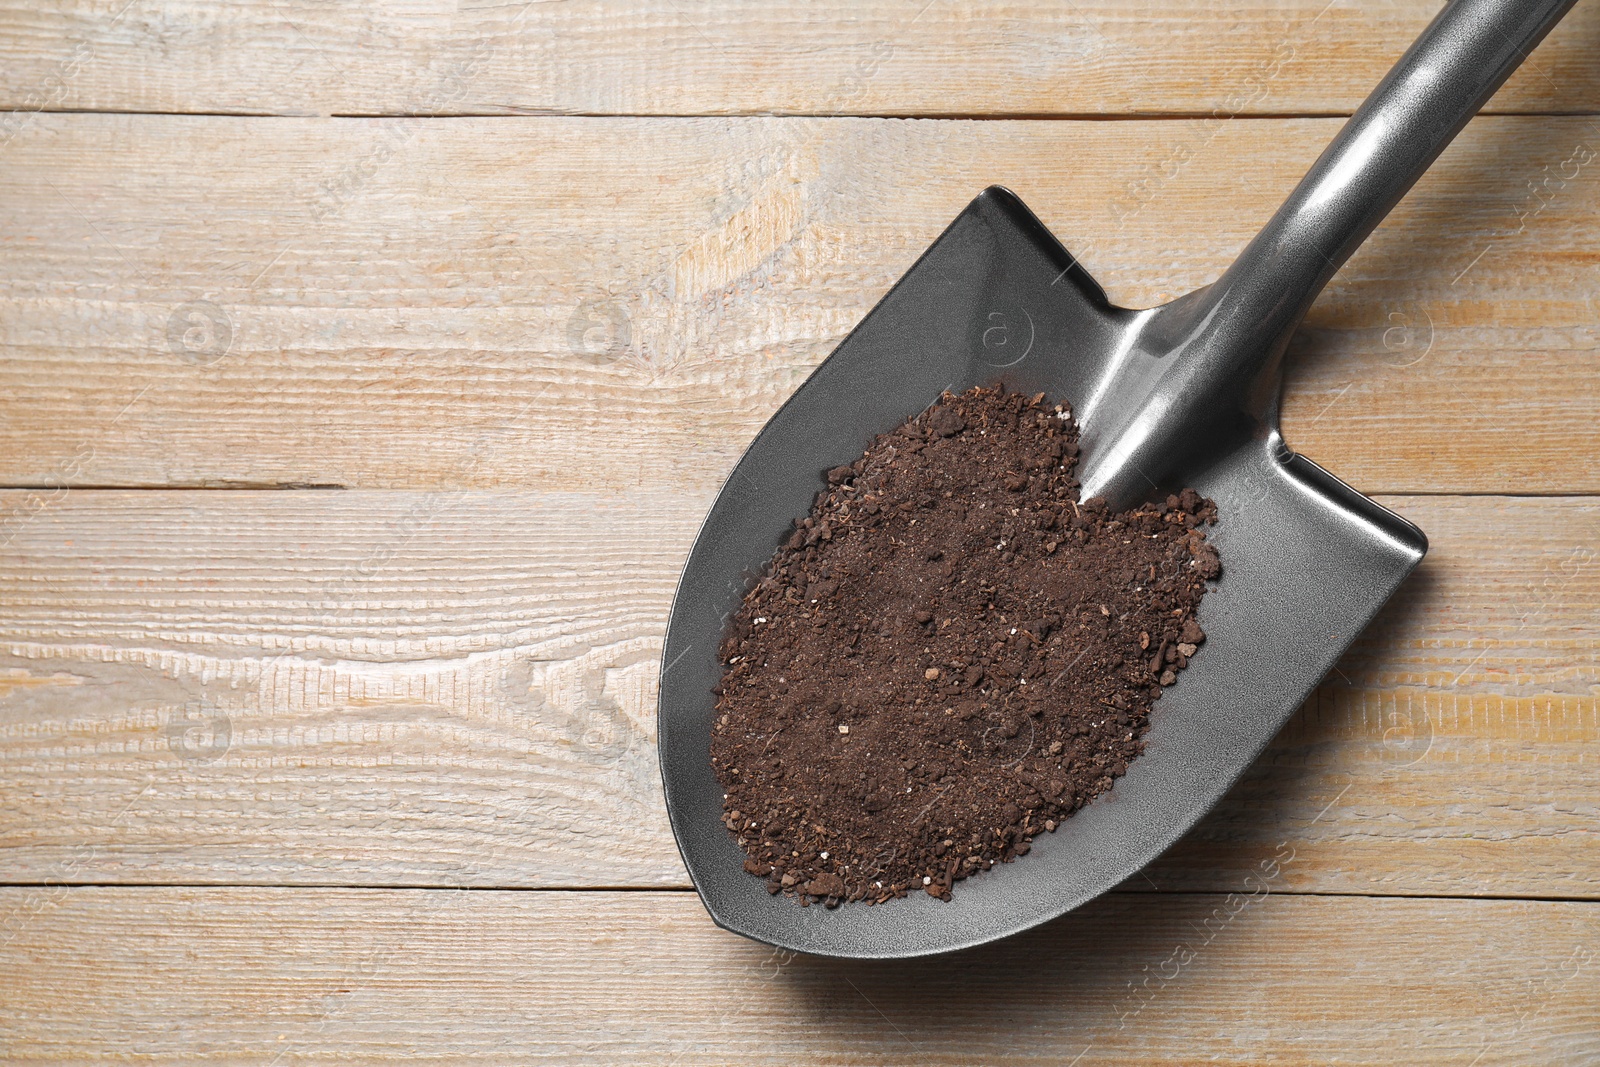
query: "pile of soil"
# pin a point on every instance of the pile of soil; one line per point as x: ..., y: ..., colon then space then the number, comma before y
x: 950, y: 654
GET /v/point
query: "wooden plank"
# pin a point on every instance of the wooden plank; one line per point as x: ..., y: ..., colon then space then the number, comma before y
x: 881, y: 57
x: 620, y: 303
x: 459, y: 688
x: 427, y: 688
x: 344, y: 976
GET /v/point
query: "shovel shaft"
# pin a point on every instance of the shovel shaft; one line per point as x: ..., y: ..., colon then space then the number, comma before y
x: 1450, y: 72
x: 1218, y: 351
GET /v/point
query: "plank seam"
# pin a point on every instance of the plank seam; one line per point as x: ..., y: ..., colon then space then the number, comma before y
x: 956, y: 116
x: 682, y: 890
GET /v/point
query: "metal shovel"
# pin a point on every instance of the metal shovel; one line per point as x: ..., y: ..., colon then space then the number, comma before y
x: 1185, y: 394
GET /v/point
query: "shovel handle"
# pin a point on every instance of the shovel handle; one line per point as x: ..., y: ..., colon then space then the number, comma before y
x: 1450, y: 72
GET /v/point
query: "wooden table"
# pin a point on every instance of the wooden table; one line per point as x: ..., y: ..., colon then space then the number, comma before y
x: 368, y: 369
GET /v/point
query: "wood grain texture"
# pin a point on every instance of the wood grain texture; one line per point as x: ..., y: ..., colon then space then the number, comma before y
x: 878, y: 57
x: 341, y: 976
x: 459, y: 689
x: 535, y: 344
x: 621, y: 303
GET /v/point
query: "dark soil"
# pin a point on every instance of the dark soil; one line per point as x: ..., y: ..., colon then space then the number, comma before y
x: 949, y: 655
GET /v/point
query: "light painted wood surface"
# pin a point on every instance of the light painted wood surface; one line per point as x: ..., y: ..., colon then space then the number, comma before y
x: 533, y: 345
x: 254, y: 976
x: 620, y: 303
x: 459, y: 688
x: 898, y: 57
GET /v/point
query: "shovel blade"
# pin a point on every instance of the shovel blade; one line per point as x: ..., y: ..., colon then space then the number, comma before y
x: 1307, y: 561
